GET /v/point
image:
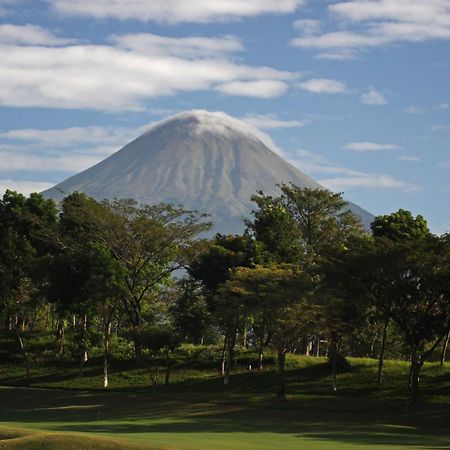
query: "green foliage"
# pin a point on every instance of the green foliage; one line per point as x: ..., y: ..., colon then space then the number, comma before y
x: 302, y: 224
x: 400, y: 226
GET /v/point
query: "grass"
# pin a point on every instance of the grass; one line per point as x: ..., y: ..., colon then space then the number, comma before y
x: 196, y: 412
x: 31, y: 440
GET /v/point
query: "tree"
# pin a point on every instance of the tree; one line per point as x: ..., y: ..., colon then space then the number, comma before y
x: 148, y: 242
x: 400, y: 226
x: 410, y: 282
x: 302, y: 224
x: 213, y: 267
x: 23, y: 223
x: 278, y: 296
x: 190, y: 311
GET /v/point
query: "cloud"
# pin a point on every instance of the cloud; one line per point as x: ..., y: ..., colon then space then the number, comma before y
x: 415, y: 110
x: 444, y: 165
x: 444, y: 106
x: 308, y: 27
x: 270, y: 122
x: 373, y: 97
x: 175, y: 11
x: 409, y: 158
x: 65, y: 150
x: 440, y: 127
x: 345, y: 178
x: 80, y: 76
x: 370, y: 147
x: 28, y: 161
x: 256, y: 89
x: 364, y: 24
x: 73, y: 136
x: 313, y: 163
x: 189, y: 47
x: 24, y: 187
x: 30, y: 35
x: 322, y: 86
x: 368, y: 181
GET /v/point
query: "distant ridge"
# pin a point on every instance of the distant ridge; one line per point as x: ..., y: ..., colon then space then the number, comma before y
x: 207, y: 161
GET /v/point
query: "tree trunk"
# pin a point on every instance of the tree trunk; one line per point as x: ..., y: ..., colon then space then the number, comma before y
x: 445, y: 348
x: 261, y: 350
x: 416, y: 366
x: 226, y: 378
x: 372, y: 345
x: 167, y: 380
x: 23, y: 352
x: 316, y: 350
x: 382, y: 352
x: 138, y: 347
x: 136, y: 320
x: 332, y: 355
x: 107, y: 332
x: 156, y: 374
x: 244, y: 332
x: 281, y: 360
x: 84, y: 353
x: 224, y: 355
x: 60, y: 337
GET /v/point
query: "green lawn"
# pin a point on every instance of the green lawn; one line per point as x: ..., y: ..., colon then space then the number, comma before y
x: 199, y: 413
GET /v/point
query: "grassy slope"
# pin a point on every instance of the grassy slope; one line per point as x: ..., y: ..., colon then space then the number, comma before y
x: 29, y: 440
x: 201, y: 414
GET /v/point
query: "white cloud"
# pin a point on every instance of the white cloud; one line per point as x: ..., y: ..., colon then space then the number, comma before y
x: 312, y: 163
x: 368, y: 181
x: 440, y: 127
x: 73, y: 136
x: 370, y: 147
x: 24, y: 187
x: 80, y: 76
x: 415, y: 110
x: 409, y: 158
x: 373, y: 97
x: 444, y: 165
x: 346, y: 178
x: 256, y: 89
x: 269, y: 121
x: 175, y: 11
x: 27, y: 161
x: 62, y: 150
x: 366, y: 24
x: 444, y: 105
x: 188, y: 47
x: 30, y: 35
x: 308, y: 27
x: 322, y: 86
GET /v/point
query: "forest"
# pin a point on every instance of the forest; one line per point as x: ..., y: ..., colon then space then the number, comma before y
x: 116, y: 280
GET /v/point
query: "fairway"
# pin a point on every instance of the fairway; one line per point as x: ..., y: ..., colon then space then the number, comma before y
x: 193, y: 420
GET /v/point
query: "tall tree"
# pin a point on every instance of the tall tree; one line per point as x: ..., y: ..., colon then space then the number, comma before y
x: 148, y: 242
x: 302, y: 224
x: 410, y: 282
x: 277, y: 295
x: 400, y: 226
x: 23, y: 223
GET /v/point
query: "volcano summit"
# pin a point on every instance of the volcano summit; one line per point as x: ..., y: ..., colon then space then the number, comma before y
x: 205, y: 161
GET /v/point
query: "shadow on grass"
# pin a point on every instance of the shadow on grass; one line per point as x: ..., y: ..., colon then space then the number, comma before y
x: 332, y: 418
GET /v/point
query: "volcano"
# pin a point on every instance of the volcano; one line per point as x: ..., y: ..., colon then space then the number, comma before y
x: 205, y: 161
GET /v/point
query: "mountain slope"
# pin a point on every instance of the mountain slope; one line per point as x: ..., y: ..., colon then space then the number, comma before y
x: 205, y: 161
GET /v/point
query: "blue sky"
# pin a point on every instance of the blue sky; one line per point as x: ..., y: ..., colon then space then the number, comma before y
x: 355, y: 93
